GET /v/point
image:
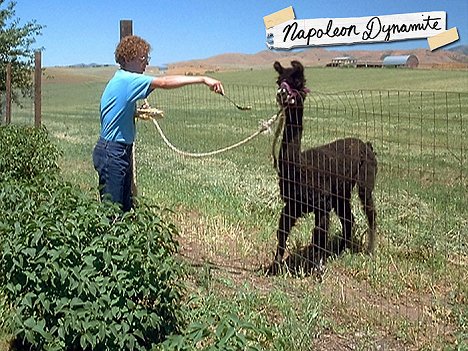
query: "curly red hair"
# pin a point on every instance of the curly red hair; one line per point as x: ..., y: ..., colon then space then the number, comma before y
x: 131, y: 47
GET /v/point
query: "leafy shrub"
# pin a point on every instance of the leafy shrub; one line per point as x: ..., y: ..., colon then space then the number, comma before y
x: 27, y: 152
x: 220, y: 333
x: 77, y: 274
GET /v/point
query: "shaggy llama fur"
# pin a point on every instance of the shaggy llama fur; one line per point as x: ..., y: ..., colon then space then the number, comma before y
x: 319, y: 179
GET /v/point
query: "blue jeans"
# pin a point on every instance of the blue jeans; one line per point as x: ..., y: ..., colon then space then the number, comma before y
x: 113, y: 163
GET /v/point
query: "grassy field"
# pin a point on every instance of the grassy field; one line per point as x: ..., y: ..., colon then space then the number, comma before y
x: 411, y: 295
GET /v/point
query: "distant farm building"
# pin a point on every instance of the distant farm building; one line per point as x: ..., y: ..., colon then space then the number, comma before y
x: 369, y: 64
x: 345, y: 61
x: 410, y: 61
x: 163, y: 69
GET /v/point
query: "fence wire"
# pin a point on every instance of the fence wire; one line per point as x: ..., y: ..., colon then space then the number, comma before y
x: 419, y: 137
x: 418, y: 273
x: 412, y: 293
x: 22, y: 110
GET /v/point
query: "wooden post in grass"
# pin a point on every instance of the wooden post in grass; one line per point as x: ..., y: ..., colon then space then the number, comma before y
x: 37, y: 88
x: 8, y: 94
x: 126, y: 28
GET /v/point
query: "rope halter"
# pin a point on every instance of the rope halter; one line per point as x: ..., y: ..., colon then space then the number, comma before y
x: 289, y: 96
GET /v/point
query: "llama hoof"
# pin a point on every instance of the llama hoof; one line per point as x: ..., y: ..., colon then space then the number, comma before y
x: 317, y: 262
x: 273, y: 269
x: 320, y: 267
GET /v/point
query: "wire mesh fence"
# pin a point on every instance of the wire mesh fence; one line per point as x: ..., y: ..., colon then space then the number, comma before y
x: 415, y: 281
x: 419, y: 137
x: 22, y: 109
x: 411, y: 294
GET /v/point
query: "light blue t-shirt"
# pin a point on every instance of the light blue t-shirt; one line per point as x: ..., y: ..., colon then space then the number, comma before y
x: 118, y: 105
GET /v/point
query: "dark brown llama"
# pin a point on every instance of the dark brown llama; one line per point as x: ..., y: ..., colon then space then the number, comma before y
x: 320, y: 179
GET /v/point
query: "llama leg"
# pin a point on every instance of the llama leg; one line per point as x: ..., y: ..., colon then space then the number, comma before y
x: 320, y: 234
x: 287, y: 220
x: 368, y: 204
x: 344, y: 212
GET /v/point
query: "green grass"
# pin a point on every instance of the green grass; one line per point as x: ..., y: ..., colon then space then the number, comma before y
x: 410, y: 295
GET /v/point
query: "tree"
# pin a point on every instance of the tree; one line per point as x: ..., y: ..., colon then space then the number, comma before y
x: 16, y: 47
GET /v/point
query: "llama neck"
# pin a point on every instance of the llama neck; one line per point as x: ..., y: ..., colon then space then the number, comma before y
x: 292, y: 133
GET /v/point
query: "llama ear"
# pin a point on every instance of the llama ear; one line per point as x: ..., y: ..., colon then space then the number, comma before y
x: 278, y: 67
x: 297, y: 66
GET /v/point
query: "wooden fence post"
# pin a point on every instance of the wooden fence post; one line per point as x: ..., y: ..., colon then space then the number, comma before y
x: 37, y: 88
x: 8, y: 94
x: 126, y: 28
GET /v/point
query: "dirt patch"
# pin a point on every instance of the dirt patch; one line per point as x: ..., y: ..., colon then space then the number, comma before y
x: 222, y: 250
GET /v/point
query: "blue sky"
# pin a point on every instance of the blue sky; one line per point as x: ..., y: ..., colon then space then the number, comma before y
x: 85, y: 31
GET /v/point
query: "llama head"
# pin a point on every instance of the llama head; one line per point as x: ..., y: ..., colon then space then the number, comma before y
x: 291, y: 84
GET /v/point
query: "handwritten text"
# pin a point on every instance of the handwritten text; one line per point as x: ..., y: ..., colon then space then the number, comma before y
x: 336, y: 31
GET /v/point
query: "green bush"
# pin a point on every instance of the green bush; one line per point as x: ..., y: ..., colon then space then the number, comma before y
x: 75, y: 273
x: 26, y: 153
x: 219, y: 333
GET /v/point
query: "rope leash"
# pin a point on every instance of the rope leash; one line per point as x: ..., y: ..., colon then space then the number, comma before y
x: 278, y: 130
x: 242, y: 108
x: 265, y: 126
x: 146, y: 112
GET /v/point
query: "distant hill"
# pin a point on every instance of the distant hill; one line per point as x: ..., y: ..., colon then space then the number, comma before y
x: 450, y: 59
x: 463, y: 49
x: 88, y: 65
x: 454, y: 58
